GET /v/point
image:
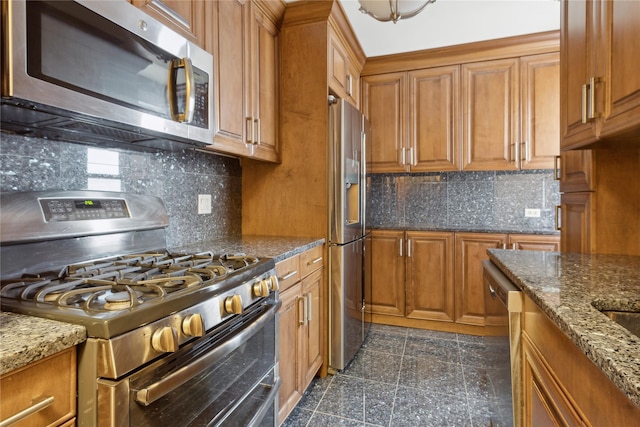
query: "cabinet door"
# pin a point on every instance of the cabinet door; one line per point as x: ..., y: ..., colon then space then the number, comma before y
x: 490, y: 106
x: 264, y: 68
x: 429, y: 283
x: 383, y: 103
x: 471, y: 250
x: 184, y: 17
x: 577, y: 62
x: 618, y: 64
x: 576, y: 171
x: 577, y: 222
x: 312, y: 329
x: 434, y: 129
x: 231, y: 44
x: 540, y: 111
x: 534, y: 242
x: 290, y: 337
x: 388, y: 292
x: 338, y: 67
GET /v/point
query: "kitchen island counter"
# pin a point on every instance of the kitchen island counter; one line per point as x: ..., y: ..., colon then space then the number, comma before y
x: 27, y: 339
x: 572, y: 289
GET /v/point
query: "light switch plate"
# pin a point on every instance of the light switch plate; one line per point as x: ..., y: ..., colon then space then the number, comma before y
x: 204, y: 203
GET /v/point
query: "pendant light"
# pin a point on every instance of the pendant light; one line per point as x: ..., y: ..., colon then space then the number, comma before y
x: 392, y: 10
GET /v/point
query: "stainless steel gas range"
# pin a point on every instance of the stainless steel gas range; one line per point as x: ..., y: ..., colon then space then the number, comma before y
x: 173, y: 338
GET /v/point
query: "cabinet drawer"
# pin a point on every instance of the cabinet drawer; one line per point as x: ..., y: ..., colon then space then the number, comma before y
x: 311, y: 260
x: 53, y: 377
x: 288, y: 272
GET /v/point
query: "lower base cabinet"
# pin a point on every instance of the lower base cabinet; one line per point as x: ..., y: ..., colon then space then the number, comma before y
x: 50, y: 379
x: 561, y: 386
x: 433, y: 280
x: 300, y: 326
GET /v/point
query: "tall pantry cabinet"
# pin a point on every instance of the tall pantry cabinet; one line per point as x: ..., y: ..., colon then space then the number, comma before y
x: 600, y: 116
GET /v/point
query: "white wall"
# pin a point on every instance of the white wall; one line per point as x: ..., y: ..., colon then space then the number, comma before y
x: 451, y: 22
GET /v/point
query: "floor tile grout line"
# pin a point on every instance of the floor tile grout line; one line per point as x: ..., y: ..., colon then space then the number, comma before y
x: 395, y: 394
x: 464, y: 381
x: 315, y: 409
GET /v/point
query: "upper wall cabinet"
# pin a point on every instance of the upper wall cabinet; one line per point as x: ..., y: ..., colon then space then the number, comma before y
x: 481, y: 106
x: 184, y: 17
x: 343, y: 70
x: 600, y: 83
x: 244, y: 43
x: 414, y: 119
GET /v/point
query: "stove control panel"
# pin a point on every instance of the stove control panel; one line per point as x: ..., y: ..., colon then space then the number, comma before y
x: 83, y: 209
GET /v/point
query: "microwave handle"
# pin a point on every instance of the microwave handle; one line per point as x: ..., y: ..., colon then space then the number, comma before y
x: 190, y: 99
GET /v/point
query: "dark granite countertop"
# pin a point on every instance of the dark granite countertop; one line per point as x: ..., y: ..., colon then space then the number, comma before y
x: 468, y: 230
x: 571, y: 289
x: 26, y: 339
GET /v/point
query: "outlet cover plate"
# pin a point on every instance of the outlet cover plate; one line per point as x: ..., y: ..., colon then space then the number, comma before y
x: 532, y: 213
x: 204, y: 203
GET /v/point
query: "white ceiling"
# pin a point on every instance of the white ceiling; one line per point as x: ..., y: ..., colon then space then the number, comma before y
x: 451, y: 22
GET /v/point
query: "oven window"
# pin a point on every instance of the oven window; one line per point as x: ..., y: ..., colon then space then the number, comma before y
x: 235, y: 387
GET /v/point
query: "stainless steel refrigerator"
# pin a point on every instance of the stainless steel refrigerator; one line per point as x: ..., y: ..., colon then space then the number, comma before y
x: 349, y: 275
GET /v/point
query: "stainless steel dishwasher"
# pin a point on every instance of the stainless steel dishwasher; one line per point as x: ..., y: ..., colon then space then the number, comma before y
x: 503, y: 311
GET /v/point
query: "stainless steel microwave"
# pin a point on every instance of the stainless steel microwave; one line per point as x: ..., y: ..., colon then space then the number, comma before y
x: 102, y: 71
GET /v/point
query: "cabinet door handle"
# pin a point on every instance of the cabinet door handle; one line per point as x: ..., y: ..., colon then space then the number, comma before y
x: 408, y: 248
x: 38, y: 406
x: 315, y: 261
x: 584, y: 103
x: 402, y: 156
x: 513, y: 246
x: 289, y: 275
x: 258, y: 139
x: 504, y: 245
x: 250, y: 130
x: 556, y: 168
x: 309, y: 306
x: 302, y: 311
x: 401, y: 245
x: 592, y: 98
x: 349, y: 85
x: 558, y: 213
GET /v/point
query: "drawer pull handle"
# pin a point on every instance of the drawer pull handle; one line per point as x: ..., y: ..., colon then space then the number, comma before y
x: 288, y: 275
x: 41, y: 404
x: 315, y: 261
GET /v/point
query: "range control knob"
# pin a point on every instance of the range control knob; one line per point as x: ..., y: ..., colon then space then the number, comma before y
x: 193, y: 325
x: 273, y: 283
x: 165, y: 340
x: 233, y: 304
x: 261, y: 288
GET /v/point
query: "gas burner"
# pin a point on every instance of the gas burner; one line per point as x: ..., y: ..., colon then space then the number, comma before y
x: 237, y: 261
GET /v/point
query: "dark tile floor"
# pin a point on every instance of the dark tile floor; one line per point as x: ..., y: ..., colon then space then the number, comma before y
x: 403, y: 377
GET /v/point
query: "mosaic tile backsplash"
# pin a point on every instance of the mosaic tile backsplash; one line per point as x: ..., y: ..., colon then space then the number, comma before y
x: 473, y: 201
x: 177, y: 177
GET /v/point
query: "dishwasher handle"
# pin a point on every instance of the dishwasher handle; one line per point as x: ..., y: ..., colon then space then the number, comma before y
x: 501, y: 287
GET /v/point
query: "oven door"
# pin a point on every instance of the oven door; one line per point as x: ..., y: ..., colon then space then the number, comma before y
x: 227, y: 378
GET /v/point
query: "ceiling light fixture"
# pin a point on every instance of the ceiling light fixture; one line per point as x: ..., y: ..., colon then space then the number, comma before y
x: 392, y: 10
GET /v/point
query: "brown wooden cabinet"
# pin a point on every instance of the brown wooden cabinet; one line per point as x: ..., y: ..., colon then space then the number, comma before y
x: 50, y: 379
x: 300, y: 329
x: 485, y: 114
x: 471, y: 250
x: 539, y: 111
x: 185, y: 17
x: 600, y: 85
x: 244, y: 43
x: 429, y: 282
x: 555, y: 372
x: 600, y: 203
x: 384, y: 105
x: 490, y: 101
x: 343, y: 71
x: 388, y: 278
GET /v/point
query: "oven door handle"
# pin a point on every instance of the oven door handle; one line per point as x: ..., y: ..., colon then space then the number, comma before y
x: 167, y: 384
x: 258, y: 417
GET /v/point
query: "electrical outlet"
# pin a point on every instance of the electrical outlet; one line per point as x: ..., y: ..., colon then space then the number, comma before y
x: 532, y: 213
x: 204, y: 203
